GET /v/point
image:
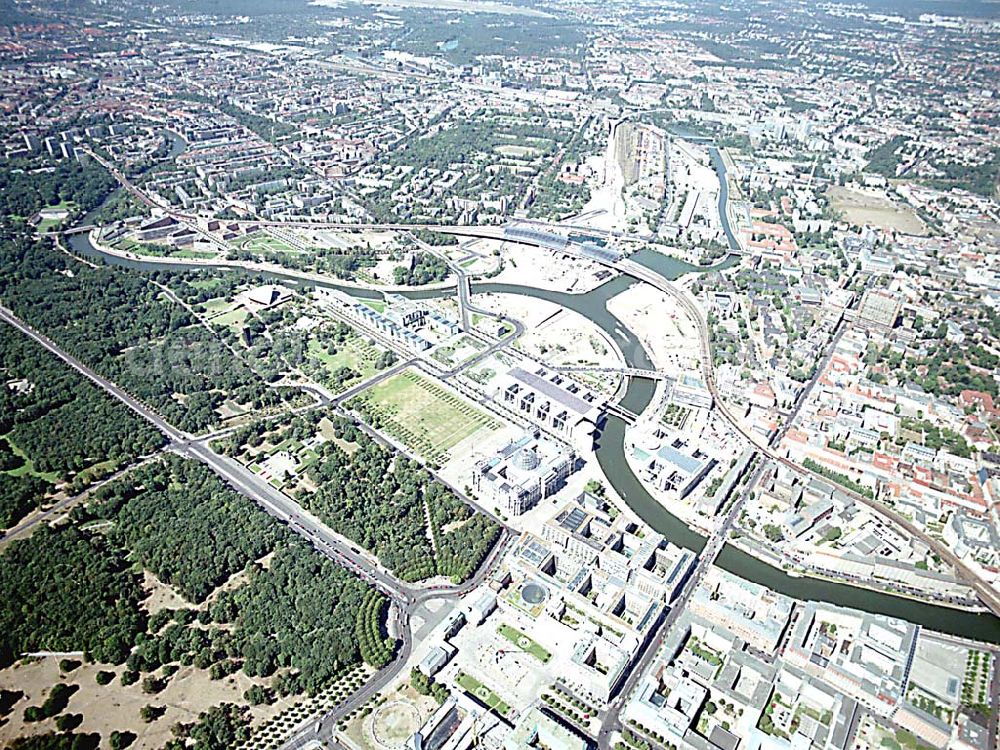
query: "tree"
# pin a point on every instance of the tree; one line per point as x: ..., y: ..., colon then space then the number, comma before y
x: 68, y: 665
x: 68, y: 722
x: 53, y: 741
x: 7, y: 700
x: 420, y: 682
x: 386, y: 359
x: 54, y: 704
x: 150, y: 713
x: 773, y: 533
x: 221, y: 727
x: 259, y: 694
x: 426, y: 268
x: 19, y: 495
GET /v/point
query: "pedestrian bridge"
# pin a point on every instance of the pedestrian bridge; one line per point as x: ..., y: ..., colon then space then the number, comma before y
x: 620, y: 411
x: 632, y: 372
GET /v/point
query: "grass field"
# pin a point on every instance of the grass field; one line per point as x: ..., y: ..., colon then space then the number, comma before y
x: 215, y: 305
x: 157, y: 250
x: 46, y: 224
x: 490, y: 699
x: 356, y: 354
x: 524, y: 643
x: 195, y: 254
x: 425, y: 416
x: 259, y: 242
x: 234, y: 317
x: 28, y: 467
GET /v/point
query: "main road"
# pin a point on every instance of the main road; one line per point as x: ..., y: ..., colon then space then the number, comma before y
x: 404, y: 597
x: 612, y: 718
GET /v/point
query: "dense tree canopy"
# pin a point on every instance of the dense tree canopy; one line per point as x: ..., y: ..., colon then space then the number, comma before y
x: 221, y: 727
x: 120, y: 324
x: 65, y: 590
x: 183, y: 524
x: 306, y: 613
x: 18, y: 496
x: 62, y: 420
x: 27, y: 186
x: 300, y: 611
x: 426, y: 268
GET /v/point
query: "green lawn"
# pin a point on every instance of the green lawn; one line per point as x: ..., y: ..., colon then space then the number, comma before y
x: 215, y: 305
x: 230, y: 318
x: 143, y: 248
x: 196, y: 254
x: 524, y: 643
x: 46, y: 224
x: 207, y: 283
x: 158, y: 250
x: 259, y: 242
x: 424, y: 415
x: 28, y: 467
x: 98, y: 470
x: 356, y: 354
x: 489, y: 698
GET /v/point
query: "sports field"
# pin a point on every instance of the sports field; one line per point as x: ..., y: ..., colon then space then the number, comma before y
x: 425, y: 416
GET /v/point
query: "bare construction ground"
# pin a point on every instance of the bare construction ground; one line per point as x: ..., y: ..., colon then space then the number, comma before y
x: 860, y: 208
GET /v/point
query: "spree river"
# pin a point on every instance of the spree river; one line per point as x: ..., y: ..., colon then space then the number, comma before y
x: 611, y: 448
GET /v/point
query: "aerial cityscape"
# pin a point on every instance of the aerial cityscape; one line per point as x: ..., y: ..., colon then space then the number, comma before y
x: 500, y: 375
